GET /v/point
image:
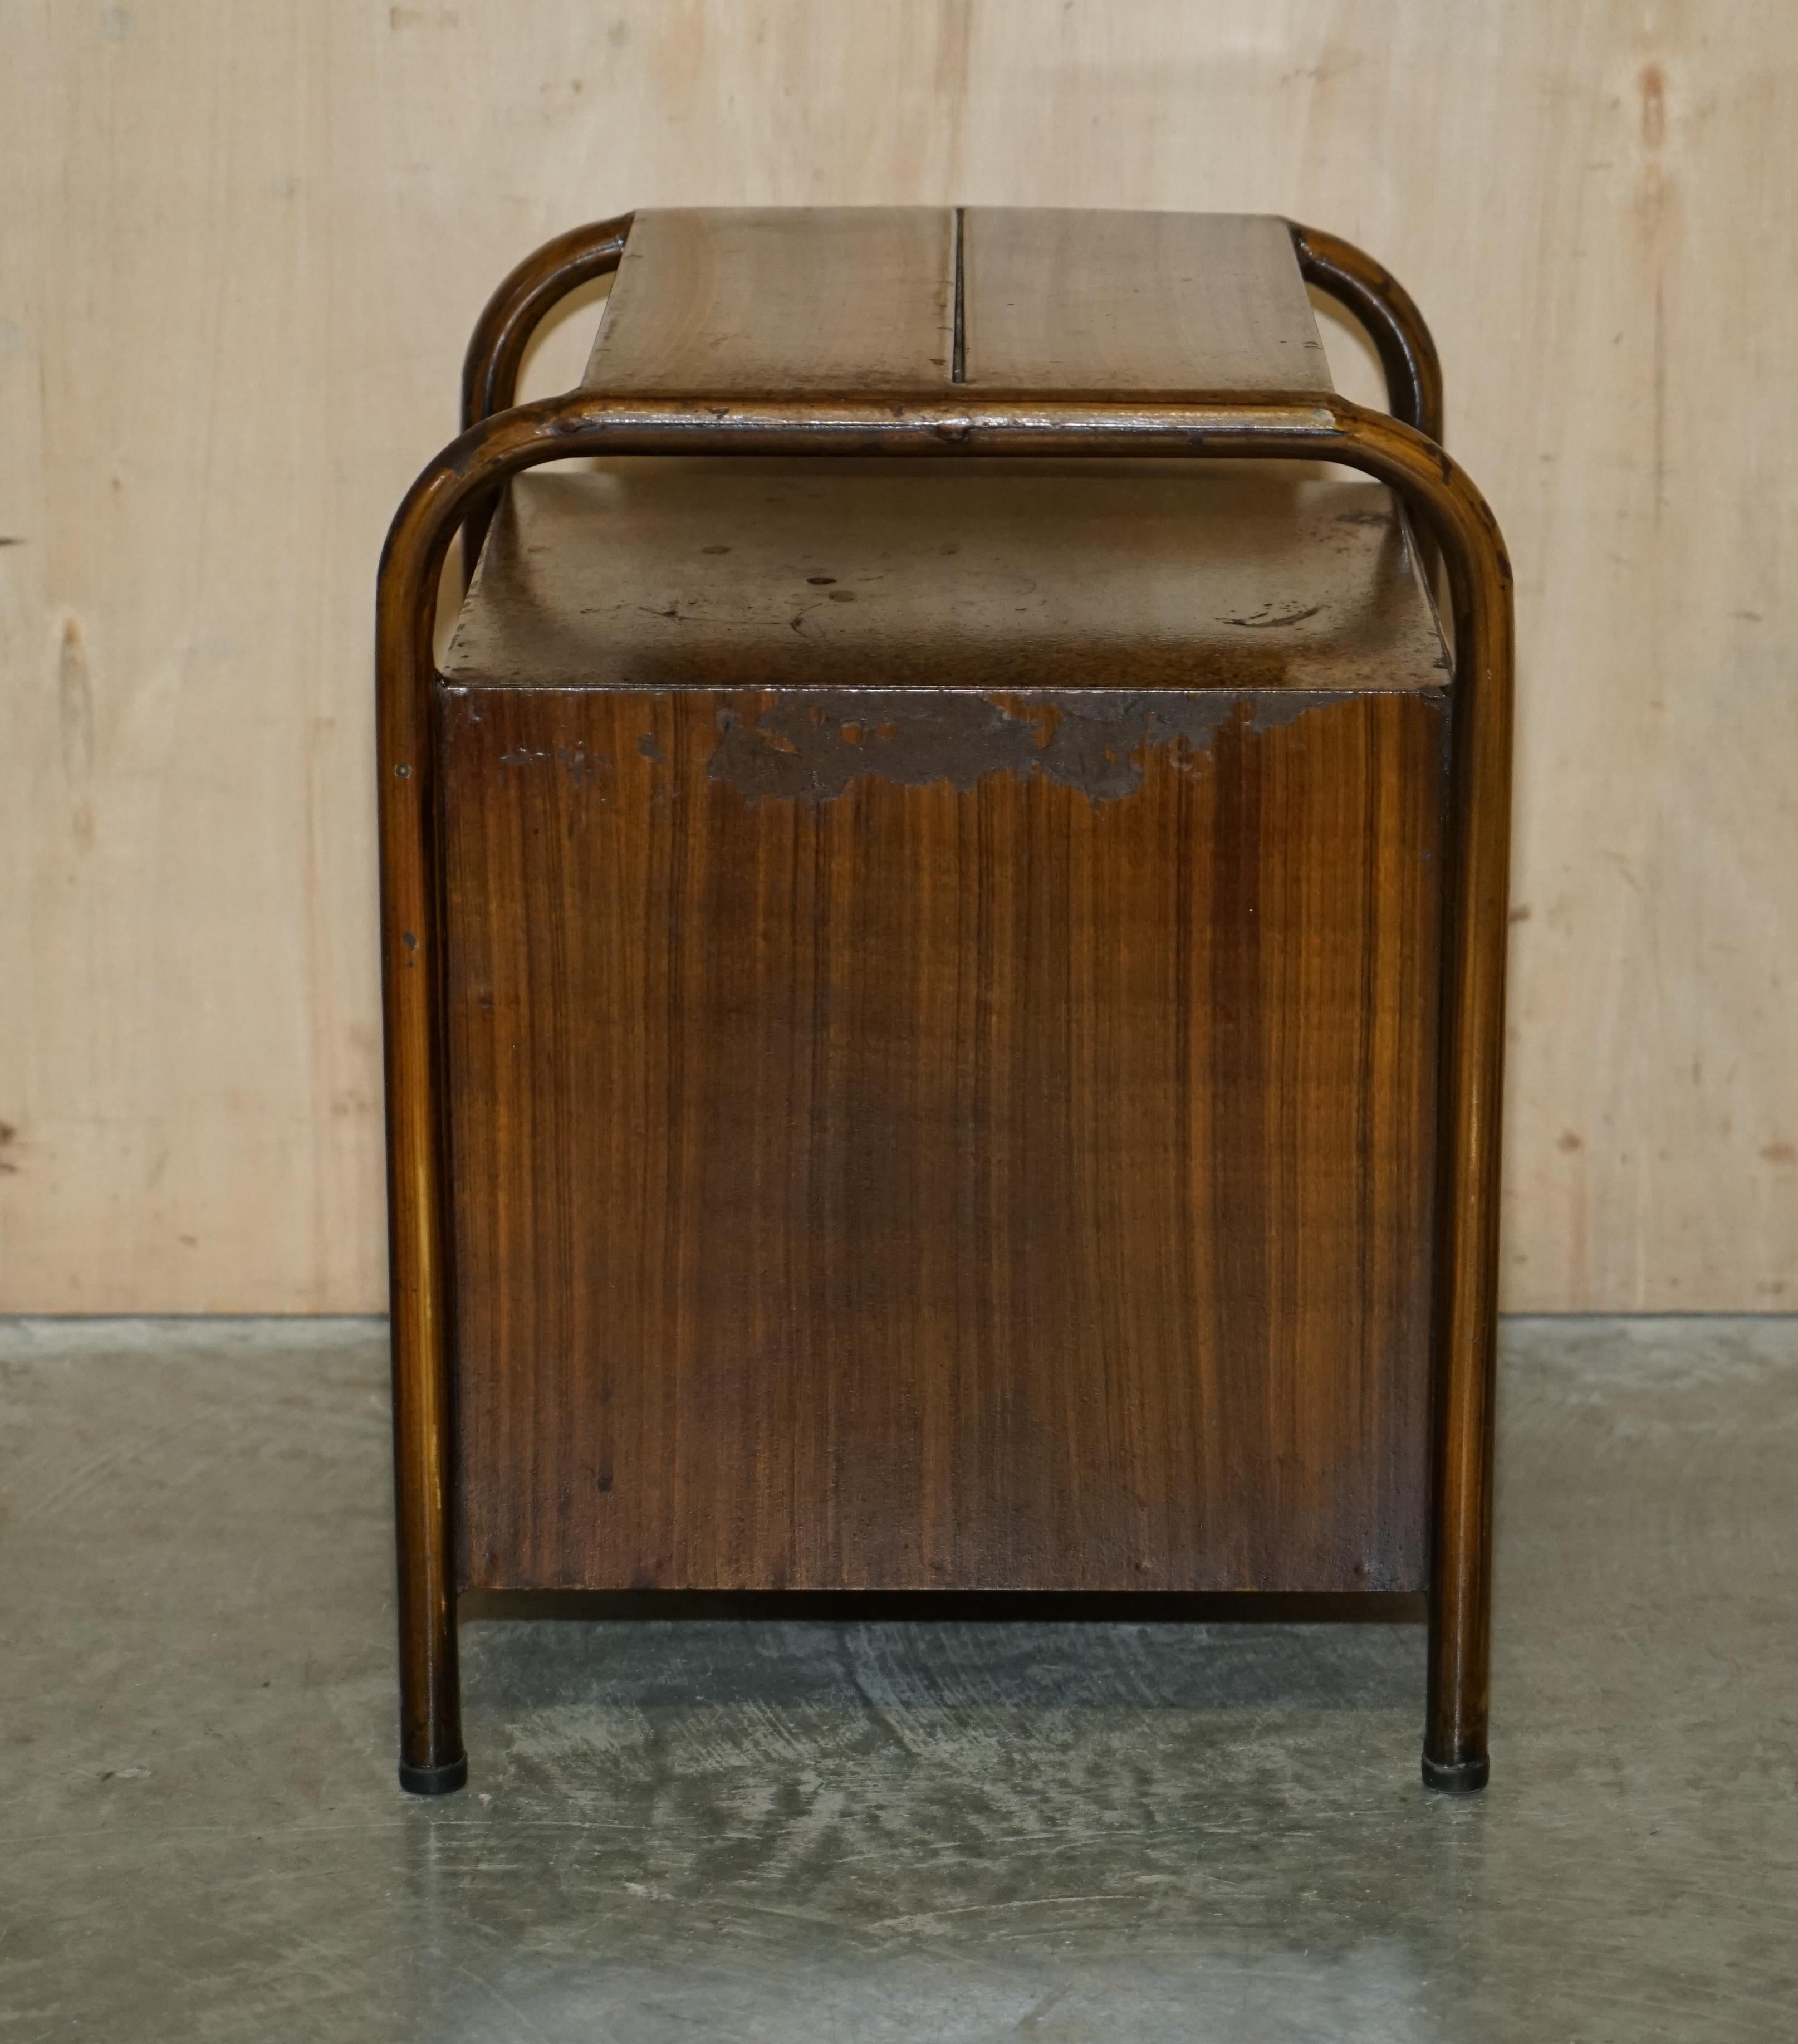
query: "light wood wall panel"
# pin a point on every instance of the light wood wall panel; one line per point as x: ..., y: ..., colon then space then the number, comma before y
x: 243, y: 247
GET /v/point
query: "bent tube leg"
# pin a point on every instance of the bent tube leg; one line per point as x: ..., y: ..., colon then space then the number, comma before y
x: 431, y: 1758
x: 1302, y: 428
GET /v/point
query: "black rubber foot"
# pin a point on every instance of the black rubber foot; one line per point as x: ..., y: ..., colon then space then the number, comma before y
x: 1458, y: 1777
x: 443, y: 1781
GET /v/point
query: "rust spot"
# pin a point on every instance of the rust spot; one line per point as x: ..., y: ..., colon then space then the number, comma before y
x: 1780, y: 1153
x: 810, y: 749
x: 1569, y: 1141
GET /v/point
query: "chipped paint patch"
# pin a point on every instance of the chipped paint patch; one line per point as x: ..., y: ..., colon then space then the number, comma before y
x: 585, y: 769
x: 811, y: 746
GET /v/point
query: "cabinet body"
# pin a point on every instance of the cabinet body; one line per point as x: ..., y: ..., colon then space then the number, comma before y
x: 972, y: 1132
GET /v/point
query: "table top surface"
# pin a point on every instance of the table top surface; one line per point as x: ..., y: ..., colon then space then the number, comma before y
x: 834, y: 572
x: 924, y: 301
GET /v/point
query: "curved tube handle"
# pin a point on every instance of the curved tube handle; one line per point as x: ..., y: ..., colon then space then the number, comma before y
x: 1388, y: 315
x: 1385, y: 311
x: 496, y: 348
x: 502, y: 333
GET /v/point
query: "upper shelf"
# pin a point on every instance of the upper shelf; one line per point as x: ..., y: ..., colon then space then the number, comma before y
x: 834, y: 572
x: 919, y: 301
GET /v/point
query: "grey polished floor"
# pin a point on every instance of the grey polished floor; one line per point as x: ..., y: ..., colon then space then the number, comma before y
x: 805, y: 1831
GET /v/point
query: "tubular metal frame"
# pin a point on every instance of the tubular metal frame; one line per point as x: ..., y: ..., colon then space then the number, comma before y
x: 458, y: 490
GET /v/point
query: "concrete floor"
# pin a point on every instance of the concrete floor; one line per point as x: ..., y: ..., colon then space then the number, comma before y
x: 945, y: 1832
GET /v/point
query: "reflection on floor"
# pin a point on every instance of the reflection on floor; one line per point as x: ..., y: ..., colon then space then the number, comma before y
x: 791, y: 1828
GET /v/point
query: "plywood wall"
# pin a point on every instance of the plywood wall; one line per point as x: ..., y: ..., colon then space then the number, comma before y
x: 244, y: 245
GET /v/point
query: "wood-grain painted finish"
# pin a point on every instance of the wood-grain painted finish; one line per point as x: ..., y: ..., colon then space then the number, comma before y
x: 779, y: 299
x: 993, y: 1185
x: 1125, y: 304
x: 910, y: 299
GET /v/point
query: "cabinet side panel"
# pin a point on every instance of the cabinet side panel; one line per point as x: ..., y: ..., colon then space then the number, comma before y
x: 882, y: 1161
